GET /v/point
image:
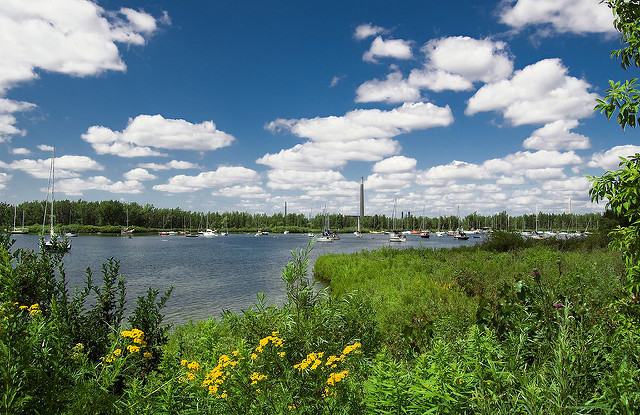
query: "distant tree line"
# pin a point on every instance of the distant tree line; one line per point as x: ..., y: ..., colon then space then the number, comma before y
x: 112, y: 213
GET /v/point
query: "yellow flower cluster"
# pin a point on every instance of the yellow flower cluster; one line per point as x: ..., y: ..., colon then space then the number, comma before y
x: 333, y: 379
x: 216, y: 377
x: 313, y: 359
x: 351, y: 348
x: 137, y: 335
x: 193, y: 366
x: 336, y: 377
x: 113, y: 355
x: 138, y: 338
x: 274, y: 339
x: 34, y: 309
x: 255, y: 377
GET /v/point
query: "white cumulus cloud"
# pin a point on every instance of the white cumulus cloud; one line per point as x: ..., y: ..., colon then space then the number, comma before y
x: 473, y: 59
x: 173, y: 164
x: 539, y: 93
x: 369, y: 123
x: 21, y: 151
x: 456, y: 170
x: 66, y: 166
x: 243, y: 192
x: 146, y: 132
x: 77, y: 186
x: 396, y: 164
x: 4, y: 178
x: 302, y: 180
x: 74, y: 37
x: 392, y: 48
x: 557, y: 136
x: 223, y: 176
x: 139, y: 174
x: 577, y: 16
x: 610, y: 159
x: 367, y: 30
x: 392, y: 90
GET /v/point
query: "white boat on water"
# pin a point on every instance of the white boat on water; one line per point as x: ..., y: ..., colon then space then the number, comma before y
x: 210, y: 233
x: 397, y: 237
x: 126, y: 231
x: 324, y: 238
x: 15, y: 230
x: 461, y: 235
x: 54, y: 242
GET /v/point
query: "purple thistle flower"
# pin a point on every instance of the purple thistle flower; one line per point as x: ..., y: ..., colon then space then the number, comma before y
x: 558, y: 305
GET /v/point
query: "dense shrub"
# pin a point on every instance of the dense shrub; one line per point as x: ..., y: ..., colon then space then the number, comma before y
x: 59, y: 351
x: 503, y: 241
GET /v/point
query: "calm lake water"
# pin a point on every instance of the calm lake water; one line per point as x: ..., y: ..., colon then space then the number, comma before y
x: 209, y: 275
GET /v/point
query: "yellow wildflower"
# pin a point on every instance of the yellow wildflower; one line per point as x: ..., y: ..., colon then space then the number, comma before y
x: 148, y: 355
x: 34, y: 310
x: 117, y: 352
x: 281, y: 354
x: 336, y: 377
x: 254, y: 356
x: 23, y: 307
x: 235, y: 353
x: 350, y: 348
x: 191, y: 376
x: 132, y: 349
x: 255, y: 377
x: 184, y: 362
x: 195, y: 366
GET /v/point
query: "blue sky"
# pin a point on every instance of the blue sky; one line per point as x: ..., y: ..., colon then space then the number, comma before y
x: 246, y: 105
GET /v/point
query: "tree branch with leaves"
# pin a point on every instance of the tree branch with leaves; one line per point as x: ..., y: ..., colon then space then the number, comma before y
x: 621, y: 188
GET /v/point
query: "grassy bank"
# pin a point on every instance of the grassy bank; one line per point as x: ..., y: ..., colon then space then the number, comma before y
x: 533, y: 329
x: 413, y: 287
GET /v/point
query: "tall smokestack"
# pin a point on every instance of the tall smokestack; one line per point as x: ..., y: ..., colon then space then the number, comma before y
x: 361, y: 196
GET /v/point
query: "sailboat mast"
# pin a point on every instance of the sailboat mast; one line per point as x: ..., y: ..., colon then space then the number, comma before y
x: 361, y: 212
x: 53, y: 180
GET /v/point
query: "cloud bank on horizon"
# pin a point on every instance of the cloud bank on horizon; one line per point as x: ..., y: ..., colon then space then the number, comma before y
x: 432, y: 92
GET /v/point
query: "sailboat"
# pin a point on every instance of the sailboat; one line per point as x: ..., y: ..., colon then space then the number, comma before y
x: 396, y: 235
x: 15, y: 230
x: 357, y: 233
x: 327, y: 235
x: 190, y: 234
x: 225, y: 232
x: 126, y: 231
x: 209, y: 233
x: 62, y: 245
x: 424, y: 233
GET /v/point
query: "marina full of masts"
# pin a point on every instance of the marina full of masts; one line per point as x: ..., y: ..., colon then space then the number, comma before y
x: 113, y: 216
